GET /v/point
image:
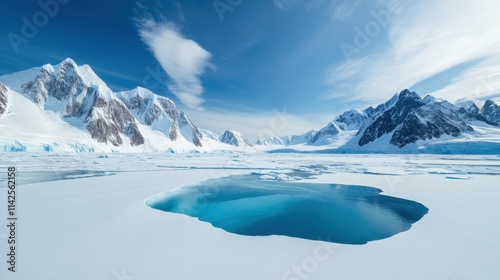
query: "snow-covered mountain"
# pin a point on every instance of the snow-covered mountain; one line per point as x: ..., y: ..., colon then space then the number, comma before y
x: 407, y: 119
x: 298, y: 139
x: 353, y: 119
x: 79, y: 98
x: 342, y: 127
x: 160, y: 113
x: 325, y: 135
x: 412, y: 119
x: 270, y: 141
x: 78, y: 95
x: 491, y: 112
x: 234, y: 138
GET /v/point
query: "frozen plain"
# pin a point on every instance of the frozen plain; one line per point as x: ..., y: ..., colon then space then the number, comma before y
x: 98, y: 227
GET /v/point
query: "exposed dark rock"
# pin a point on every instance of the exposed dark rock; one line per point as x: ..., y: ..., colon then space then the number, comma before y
x: 132, y: 131
x: 428, y: 122
x: 3, y: 99
x: 491, y: 112
x: 390, y: 119
x: 173, y: 133
x: 37, y: 89
x: 104, y: 132
x: 234, y: 138
x: 106, y: 117
x: 162, y: 114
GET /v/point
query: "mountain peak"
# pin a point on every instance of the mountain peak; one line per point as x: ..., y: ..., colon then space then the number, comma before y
x: 234, y: 138
x: 489, y: 102
x: 140, y: 91
x: 491, y: 111
x: 325, y: 134
x: 68, y: 61
x: 429, y: 99
x: 409, y: 94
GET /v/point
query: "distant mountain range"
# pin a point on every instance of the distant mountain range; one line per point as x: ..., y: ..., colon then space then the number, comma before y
x: 410, y: 123
x: 66, y: 107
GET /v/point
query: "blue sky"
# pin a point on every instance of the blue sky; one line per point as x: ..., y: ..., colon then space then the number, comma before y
x: 280, y: 66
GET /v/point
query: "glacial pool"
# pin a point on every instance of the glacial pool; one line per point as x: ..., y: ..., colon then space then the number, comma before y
x: 245, y: 205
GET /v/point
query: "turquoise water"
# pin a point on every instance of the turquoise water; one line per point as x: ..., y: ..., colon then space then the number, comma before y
x: 337, y: 213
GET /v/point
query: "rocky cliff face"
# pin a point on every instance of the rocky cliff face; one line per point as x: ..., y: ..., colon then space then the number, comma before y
x: 108, y: 120
x: 352, y: 120
x: 430, y: 121
x: 392, y: 118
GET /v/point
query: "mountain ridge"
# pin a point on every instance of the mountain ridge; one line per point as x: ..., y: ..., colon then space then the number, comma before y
x: 409, y: 123
x: 144, y: 121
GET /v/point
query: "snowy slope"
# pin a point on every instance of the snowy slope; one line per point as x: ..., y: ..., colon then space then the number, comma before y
x: 25, y: 127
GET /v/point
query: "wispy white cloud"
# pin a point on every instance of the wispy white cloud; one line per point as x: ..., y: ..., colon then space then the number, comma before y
x: 426, y: 38
x: 343, y: 10
x: 183, y: 59
x: 481, y: 81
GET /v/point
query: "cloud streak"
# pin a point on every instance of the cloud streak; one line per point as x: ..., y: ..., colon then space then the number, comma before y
x: 183, y: 59
x: 427, y: 38
x: 344, y: 9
